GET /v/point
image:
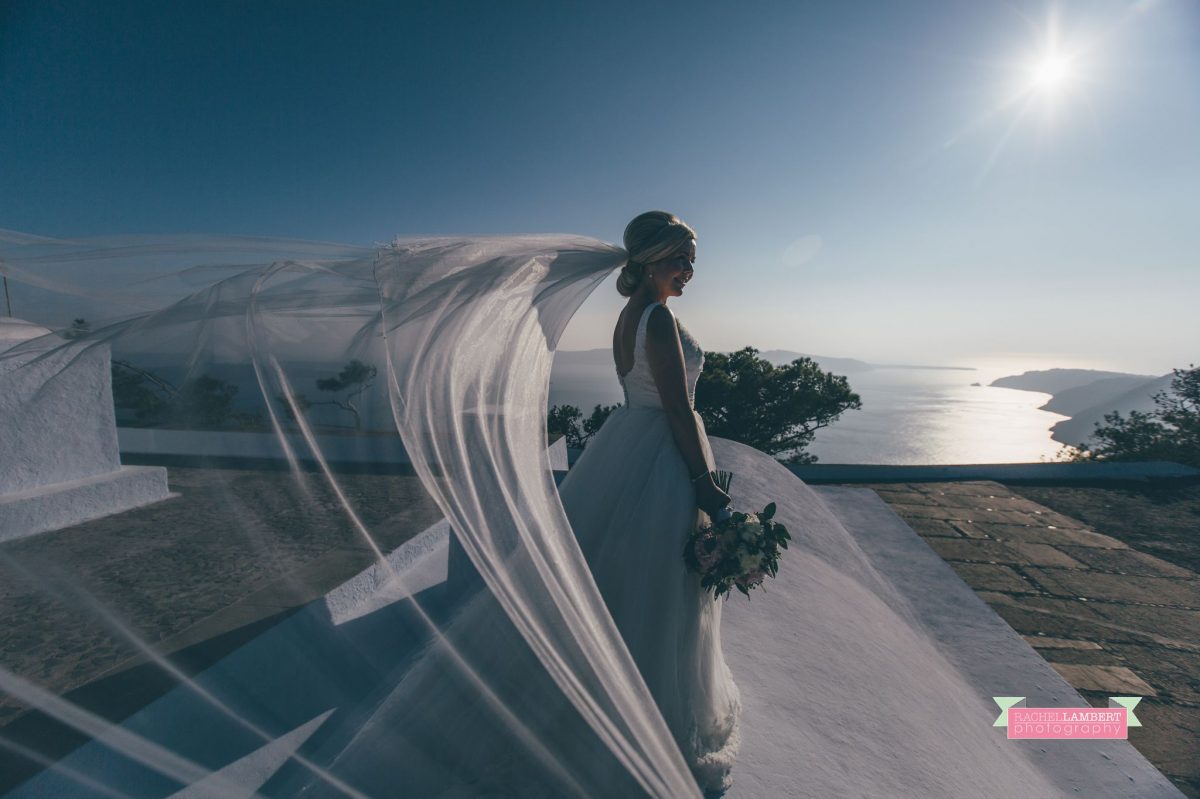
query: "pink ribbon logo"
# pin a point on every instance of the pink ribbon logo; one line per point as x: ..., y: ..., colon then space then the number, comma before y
x: 1087, y: 723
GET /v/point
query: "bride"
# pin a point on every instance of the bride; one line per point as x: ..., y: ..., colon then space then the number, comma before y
x: 632, y: 499
x: 479, y: 714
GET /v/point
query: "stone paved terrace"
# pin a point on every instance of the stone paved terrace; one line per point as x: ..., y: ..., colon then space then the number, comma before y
x: 1111, y: 618
x: 1111, y: 603
x: 194, y: 576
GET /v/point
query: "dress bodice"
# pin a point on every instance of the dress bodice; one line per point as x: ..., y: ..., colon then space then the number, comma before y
x: 640, y: 389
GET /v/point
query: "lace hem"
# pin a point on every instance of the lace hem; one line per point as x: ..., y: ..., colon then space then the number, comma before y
x: 713, y: 767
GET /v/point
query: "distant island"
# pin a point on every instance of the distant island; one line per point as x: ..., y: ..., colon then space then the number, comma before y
x: 603, y: 357
x: 1086, y: 395
x: 846, y: 365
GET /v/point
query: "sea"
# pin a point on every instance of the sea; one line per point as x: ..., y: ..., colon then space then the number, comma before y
x: 908, y: 416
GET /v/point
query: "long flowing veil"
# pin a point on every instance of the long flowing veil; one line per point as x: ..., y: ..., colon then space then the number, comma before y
x: 461, y: 333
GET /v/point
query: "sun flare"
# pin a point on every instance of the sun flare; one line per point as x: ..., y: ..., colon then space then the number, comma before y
x: 1050, y: 73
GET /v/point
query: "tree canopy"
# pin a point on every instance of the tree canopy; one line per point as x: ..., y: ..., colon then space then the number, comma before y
x: 776, y: 409
x: 568, y: 421
x: 354, y: 379
x: 1171, y: 432
x: 203, y: 402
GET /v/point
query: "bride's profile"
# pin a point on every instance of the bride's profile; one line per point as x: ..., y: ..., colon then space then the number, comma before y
x: 633, y: 497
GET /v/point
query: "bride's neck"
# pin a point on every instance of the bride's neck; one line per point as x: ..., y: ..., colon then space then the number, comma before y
x: 646, y: 295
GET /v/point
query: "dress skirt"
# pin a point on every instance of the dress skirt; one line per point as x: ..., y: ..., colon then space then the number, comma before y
x: 631, y: 503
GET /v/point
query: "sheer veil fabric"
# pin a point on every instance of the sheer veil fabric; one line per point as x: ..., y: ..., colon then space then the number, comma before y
x: 463, y: 330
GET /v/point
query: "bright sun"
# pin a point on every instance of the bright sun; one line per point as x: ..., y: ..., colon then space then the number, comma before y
x: 1051, y: 78
x: 1050, y: 73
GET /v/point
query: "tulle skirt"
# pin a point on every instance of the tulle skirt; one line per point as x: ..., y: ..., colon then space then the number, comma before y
x: 631, y: 504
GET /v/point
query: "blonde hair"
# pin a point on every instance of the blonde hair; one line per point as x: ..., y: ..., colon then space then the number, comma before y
x: 650, y: 237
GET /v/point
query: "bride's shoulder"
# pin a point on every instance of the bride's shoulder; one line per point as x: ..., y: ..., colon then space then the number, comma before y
x: 660, y: 322
x: 657, y: 309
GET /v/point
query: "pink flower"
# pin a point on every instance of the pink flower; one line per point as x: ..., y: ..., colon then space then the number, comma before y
x: 751, y: 578
x: 705, y: 558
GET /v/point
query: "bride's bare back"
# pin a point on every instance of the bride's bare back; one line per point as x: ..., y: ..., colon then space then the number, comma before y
x: 625, y: 338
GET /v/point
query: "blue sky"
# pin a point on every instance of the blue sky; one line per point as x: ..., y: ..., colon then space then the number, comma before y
x: 859, y: 185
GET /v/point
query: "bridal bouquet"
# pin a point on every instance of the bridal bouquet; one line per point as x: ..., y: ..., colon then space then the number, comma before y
x: 738, y: 550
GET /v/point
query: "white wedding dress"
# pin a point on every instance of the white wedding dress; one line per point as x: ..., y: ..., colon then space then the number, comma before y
x: 631, y: 504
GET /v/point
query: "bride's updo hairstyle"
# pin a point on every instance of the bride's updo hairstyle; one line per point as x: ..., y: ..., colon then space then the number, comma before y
x: 650, y: 237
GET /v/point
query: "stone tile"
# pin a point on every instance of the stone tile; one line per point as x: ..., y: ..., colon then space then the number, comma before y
x: 1002, y: 499
x: 969, y: 529
x: 985, y: 513
x: 1170, y: 738
x: 983, y: 488
x: 1187, y: 662
x: 1047, y: 535
x: 923, y: 511
x: 1052, y: 586
x: 1143, y: 657
x: 1174, y: 678
x: 1087, y: 538
x: 1043, y: 555
x: 1169, y: 624
x: 902, y: 497
x: 933, y: 527
x: 1117, y: 587
x: 993, y: 598
x: 991, y: 577
x: 1041, y: 519
x: 1115, y: 680
x: 1047, y: 642
x: 1085, y: 611
x: 1014, y: 502
x: 1127, y: 561
x: 981, y: 550
x: 1045, y: 516
x: 1025, y: 510
x: 1027, y: 619
x: 960, y: 501
x: 1176, y: 690
x: 229, y: 618
x: 1085, y: 657
x: 173, y: 571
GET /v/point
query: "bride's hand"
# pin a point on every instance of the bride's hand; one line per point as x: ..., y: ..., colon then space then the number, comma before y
x: 710, y: 498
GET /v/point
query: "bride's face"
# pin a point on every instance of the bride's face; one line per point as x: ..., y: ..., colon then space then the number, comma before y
x: 671, y: 274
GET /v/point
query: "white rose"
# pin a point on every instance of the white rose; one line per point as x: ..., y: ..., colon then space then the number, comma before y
x: 751, y: 531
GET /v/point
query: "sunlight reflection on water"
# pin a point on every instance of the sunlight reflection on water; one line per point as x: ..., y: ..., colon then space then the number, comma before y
x: 931, y: 416
x: 909, y: 416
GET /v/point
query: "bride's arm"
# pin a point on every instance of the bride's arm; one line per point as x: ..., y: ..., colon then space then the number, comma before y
x: 664, y: 354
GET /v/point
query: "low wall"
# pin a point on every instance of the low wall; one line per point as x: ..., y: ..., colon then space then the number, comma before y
x: 383, y: 451
x: 1003, y: 472
x: 141, y: 444
x: 257, y: 446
